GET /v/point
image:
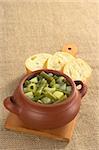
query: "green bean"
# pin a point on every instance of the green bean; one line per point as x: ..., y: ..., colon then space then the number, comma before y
x: 55, y: 77
x: 32, y: 87
x: 27, y: 82
x: 52, y: 83
x: 39, y: 77
x: 41, y: 86
x: 36, y: 98
x: 50, y: 95
x: 47, y: 88
x: 46, y: 76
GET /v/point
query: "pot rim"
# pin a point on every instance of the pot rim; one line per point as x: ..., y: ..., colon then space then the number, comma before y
x: 33, y: 74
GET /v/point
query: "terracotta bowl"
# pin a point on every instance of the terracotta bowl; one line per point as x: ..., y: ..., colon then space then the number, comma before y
x: 42, y: 116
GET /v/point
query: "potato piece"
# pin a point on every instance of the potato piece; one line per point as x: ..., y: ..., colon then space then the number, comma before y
x: 29, y: 95
x: 58, y: 94
x: 46, y: 100
x: 34, y: 80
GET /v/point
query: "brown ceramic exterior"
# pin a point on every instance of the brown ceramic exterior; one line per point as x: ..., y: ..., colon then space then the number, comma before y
x: 41, y: 116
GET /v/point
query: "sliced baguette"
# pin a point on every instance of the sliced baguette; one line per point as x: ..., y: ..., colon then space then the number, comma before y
x: 77, y: 69
x: 36, y: 62
x: 58, y: 60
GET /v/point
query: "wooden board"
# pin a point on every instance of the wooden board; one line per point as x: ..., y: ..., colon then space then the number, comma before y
x: 64, y: 133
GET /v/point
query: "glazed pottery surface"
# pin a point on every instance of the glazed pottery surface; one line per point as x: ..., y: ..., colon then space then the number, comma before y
x: 42, y: 116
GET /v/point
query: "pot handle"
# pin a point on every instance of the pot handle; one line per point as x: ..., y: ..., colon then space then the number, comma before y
x: 83, y: 88
x: 11, y: 105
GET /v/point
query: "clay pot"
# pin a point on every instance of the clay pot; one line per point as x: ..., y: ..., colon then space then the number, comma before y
x: 42, y: 116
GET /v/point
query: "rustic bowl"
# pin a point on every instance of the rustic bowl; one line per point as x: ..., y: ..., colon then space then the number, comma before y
x: 42, y: 116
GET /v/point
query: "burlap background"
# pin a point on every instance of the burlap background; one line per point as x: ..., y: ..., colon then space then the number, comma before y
x: 28, y: 27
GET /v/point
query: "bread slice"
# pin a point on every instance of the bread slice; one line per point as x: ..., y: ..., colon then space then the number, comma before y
x: 36, y: 62
x: 77, y: 69
x: 58, y: 60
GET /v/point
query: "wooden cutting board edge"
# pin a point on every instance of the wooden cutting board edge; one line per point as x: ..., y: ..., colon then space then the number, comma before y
x: 18, y: 126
